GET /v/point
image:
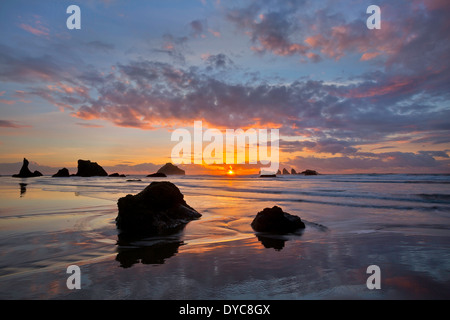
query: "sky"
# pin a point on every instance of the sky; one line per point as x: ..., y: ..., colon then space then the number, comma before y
x: 345, y: 98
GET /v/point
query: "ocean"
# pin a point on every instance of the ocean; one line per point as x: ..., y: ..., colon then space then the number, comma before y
x: 398, y: 222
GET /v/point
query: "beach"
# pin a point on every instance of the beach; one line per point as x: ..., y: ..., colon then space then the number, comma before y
x: 398, y: 222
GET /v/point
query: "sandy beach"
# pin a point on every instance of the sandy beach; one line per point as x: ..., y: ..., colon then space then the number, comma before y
x: 352, y: 221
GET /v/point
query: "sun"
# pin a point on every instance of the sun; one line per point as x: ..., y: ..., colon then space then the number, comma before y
x: 230, y: 172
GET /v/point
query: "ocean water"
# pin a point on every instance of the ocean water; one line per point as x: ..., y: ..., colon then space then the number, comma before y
x: 399, y: 222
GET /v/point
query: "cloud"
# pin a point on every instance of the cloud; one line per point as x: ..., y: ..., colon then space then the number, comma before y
x: 174, y: 47
x: 327, y: 145
x: 369, y: 56
x: 271, y: 31
x: 401, y: 162
x: 218, y: 61
x: 216, y: 34
x: 88, y: 125
x: 12, y: 124
x: 197, y: 27
x: 100, y: 46
x: 38, y: 29
x: 148, y: 94
x: 16, y: 66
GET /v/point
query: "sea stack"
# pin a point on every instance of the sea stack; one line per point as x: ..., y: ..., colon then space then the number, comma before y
x: 157, y: 175
x: 275, y: 220
x: 25, y: 172
x: 285, y: 171
x: 170, y: 169
x: 86, y: 168
x: 293, y: 171
x: 64, y: 172
x: 117, y: 175
x: 309, y: 172
x: 158, y: 209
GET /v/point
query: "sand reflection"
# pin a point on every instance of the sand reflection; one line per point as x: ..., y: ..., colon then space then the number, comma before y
x: 146, y: 250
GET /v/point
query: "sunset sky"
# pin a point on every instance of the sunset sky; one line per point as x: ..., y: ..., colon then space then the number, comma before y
x: 345, y: 99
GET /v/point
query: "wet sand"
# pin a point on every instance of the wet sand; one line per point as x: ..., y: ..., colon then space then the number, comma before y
x: 43, y: 231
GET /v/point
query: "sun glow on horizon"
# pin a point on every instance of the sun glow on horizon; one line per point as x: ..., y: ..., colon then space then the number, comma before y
x: 230, y: 172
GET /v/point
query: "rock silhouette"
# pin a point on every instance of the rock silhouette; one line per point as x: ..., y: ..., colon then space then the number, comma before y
x: 157, y: 175
x: 64, y: 172
x: 115, y: 174
x: 285, y: 171
x: 309, y: 172
x: 158, y: 209
x: 170, y: 169
x: 293, y: 171
x: 86, y: 168
x: 25, y: 172
x: 275, y: 220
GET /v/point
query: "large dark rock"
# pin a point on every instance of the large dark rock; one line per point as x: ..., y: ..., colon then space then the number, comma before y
x: 285, y: 171
x: 309, y: 172
x: 25, y: 172
x: 157, y: 175
x: 275, y: 220
x: 293, y: 171
x: 64, y: 172
x: 159, y: 208
x: 87, y: 168
x: 170, y: 169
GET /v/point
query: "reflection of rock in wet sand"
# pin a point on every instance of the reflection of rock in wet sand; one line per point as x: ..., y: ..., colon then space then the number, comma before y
x: 269, y: 242
x: 23, y: 189
x: 146, y: 251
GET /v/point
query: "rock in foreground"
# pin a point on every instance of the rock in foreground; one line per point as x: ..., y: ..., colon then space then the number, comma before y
x: 170, y: 169
x: 159, y: 208
x: 86, y: 168
x: 275, y: 220
x: 25, y: 172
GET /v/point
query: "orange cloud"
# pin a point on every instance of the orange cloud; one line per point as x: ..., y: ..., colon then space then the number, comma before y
x: 40, y: 31
x: 369, y: 56
x: 215, y: 33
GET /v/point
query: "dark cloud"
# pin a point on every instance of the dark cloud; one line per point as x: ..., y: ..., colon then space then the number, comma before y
x: 219, y: 61
x: 175, y: 47
x: 327, y: 145
x: 405, y: 162
x: 11, y: 124
x: 271, y: 29
x: 197, y: 27
x: 19, y: 67
x: 100, y: 46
